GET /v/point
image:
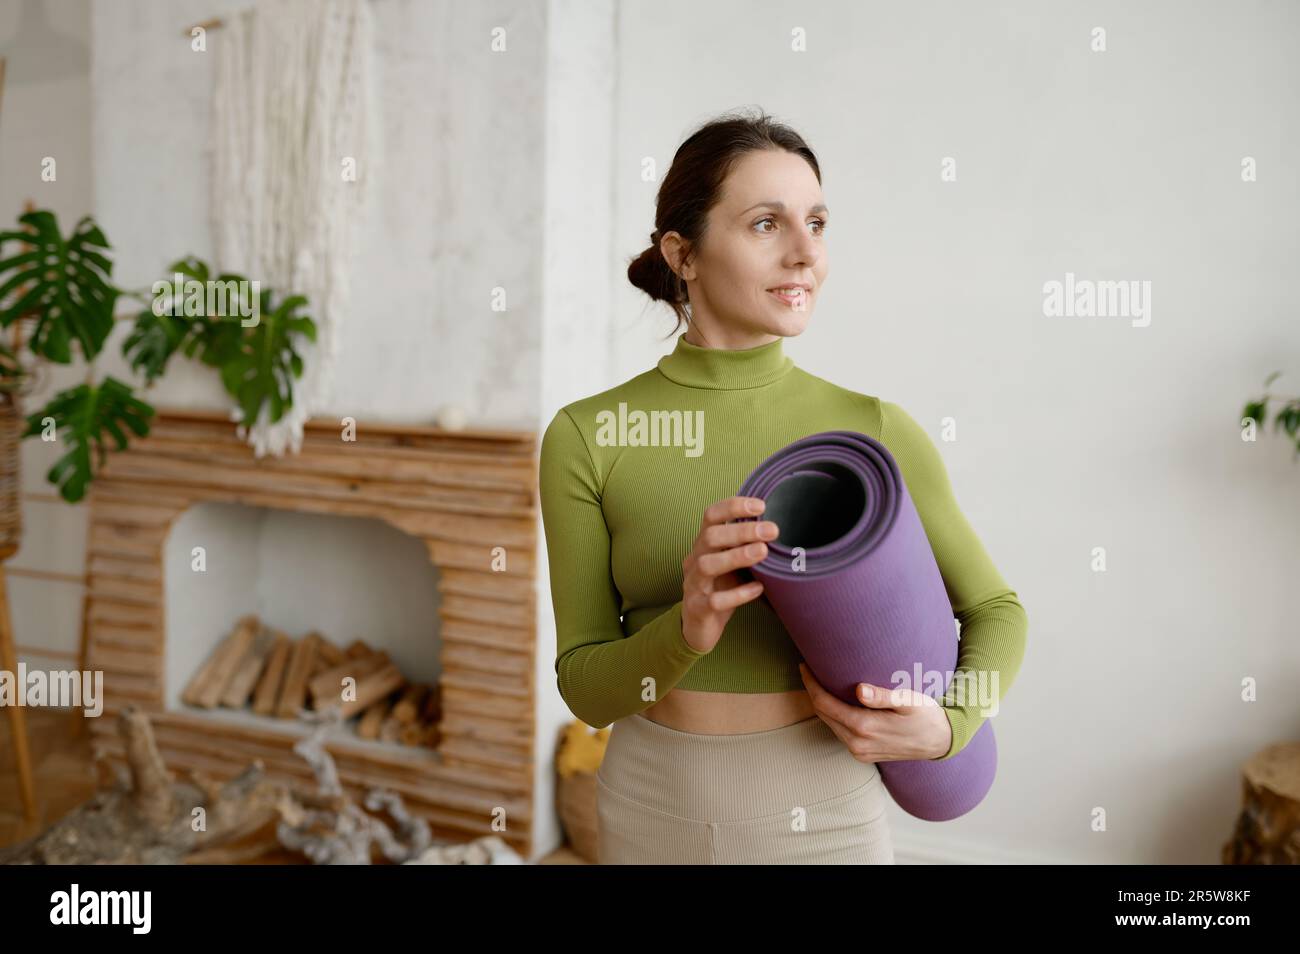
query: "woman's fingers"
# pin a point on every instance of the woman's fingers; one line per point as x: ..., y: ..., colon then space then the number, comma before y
x: 726, y: 535
x: 724, y: 561
x: 833, y: 710
x: 732, y: 508
x: 711, y: 589
x: 729, y: 599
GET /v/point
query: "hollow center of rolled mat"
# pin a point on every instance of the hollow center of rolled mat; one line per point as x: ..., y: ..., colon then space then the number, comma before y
x: 815, y: 506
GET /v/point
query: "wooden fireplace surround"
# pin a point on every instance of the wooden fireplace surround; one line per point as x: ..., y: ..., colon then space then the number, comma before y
x: 462, y: 492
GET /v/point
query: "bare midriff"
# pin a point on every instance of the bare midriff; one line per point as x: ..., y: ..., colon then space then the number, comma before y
x: 729, y: 713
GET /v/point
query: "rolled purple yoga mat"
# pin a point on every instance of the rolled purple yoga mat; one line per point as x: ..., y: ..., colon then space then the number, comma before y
x: 867, y: 600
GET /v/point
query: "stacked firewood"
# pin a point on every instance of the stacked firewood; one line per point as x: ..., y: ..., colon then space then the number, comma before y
x: 264, y: 668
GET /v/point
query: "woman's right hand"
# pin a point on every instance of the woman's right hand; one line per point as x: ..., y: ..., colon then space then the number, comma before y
x: 711, y: 588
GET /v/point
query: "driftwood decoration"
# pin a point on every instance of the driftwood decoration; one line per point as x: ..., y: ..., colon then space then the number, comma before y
x: 331, y: 829
x: 1268, y: 828
x: 150, y: 819
x: 147, y: 818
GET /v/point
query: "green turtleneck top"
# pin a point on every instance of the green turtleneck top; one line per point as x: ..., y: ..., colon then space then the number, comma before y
x: 621, y: 510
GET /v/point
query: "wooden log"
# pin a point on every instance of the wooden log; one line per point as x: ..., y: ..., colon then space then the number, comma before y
x: 328, y: 684
x: 390, y: 730
x: 371, y: 688
x: 245, y: 678
x: 1268, y: 828
x: 356, y: 649
x: 267, y: 693
x: 431, y: 711
x: 319, y: 663
x: 293, y: 693
x: 204, y: 690
x: 329, y: 652
x: 407, y: 709
x: 373, y: 718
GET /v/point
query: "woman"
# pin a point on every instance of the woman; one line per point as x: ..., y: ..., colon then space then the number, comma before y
x: 724, y: 747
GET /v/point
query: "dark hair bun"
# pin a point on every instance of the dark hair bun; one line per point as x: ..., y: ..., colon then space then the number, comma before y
x: 649, y: 272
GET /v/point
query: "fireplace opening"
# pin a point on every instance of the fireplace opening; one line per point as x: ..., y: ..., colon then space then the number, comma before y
x: 273, y: 615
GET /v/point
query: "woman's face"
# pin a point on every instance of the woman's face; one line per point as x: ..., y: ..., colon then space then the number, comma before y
x: 766, y: 232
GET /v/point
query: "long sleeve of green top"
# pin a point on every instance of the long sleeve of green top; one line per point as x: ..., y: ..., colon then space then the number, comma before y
x: 621, y: 514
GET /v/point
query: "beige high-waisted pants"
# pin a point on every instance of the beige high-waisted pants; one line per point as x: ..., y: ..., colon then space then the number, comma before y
x: 793, y: 795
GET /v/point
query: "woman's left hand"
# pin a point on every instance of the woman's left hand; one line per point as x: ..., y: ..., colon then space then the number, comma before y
x: 891, y: 725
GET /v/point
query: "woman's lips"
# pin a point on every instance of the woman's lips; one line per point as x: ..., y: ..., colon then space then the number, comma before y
x: 797, y: 298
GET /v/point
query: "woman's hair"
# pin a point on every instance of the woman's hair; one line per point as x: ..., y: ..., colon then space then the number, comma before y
x: 693, y: 185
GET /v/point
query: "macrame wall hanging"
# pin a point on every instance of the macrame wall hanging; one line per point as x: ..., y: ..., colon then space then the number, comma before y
x: 293, y: 127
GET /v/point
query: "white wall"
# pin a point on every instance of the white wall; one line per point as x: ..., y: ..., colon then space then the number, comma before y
x: 1115, y: 165
x: 1073, y: 433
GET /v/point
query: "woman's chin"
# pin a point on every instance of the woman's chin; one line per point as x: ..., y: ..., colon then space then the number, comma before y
x: 788, y: 326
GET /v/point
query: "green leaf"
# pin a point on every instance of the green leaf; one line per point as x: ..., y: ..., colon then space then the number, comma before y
x: 1288, y: 418
x: 66, y: 284
x: 81, y: 416
x: 261, y: 374
x: 214, y: 339
x: 1256, y: 411
x: 152, y: 342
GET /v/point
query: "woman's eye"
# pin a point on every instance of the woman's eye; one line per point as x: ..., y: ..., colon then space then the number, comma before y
x: 821, y: 223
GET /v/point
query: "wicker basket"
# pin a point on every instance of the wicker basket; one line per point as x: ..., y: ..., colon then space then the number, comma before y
x: 576, y: 800
x: 12, y: 425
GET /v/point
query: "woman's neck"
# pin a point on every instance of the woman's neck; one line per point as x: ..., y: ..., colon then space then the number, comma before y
x: 730, y: 340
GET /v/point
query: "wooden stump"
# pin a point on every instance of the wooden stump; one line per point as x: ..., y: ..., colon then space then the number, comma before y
x: 1268, y: 829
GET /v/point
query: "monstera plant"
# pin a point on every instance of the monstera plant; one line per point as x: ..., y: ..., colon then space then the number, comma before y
x: 64, y: 285
x: 1287, y: 416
